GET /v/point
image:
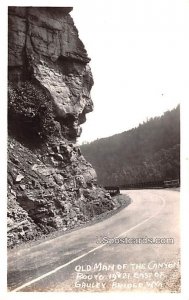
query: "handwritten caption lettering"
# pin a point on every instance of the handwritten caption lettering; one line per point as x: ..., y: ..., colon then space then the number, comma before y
x: 101, y: 276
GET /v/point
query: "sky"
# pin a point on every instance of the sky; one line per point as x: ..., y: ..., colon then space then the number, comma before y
x: 139, y: 53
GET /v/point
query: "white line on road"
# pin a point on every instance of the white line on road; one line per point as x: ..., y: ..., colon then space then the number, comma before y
x: 85, y: 254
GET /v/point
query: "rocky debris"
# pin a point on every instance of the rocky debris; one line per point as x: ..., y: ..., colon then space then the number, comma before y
x: 53, y: 194
x: 50, y: 184
x: 19, y: 178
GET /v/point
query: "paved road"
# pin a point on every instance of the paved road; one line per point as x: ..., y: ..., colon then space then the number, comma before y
x: 92, y: 259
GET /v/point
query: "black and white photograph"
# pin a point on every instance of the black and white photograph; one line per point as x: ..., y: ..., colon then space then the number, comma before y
x: 96, y: 96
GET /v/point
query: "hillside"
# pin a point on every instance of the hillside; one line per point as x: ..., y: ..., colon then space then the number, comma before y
x: 149, y: 152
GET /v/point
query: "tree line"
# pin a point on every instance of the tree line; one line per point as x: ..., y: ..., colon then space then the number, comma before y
x: 149, y: 152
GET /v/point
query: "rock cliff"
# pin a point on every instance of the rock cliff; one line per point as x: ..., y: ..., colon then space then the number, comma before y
x: 50, y: 184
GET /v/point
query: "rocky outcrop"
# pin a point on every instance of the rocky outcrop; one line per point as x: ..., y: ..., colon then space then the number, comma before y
x: 50, y: 184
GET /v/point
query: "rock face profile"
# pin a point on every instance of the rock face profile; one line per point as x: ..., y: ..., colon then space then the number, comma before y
x: 50, y: 185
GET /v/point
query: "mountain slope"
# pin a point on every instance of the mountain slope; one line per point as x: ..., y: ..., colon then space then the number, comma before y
x: 149, y: 152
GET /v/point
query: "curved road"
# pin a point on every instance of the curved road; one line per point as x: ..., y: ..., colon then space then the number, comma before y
x: 121, y: 253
